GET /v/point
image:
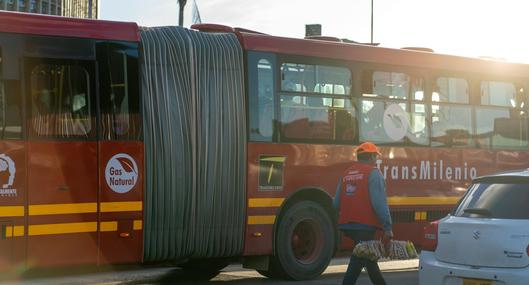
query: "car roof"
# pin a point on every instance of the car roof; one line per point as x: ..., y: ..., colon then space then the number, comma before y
x: 510, y: 176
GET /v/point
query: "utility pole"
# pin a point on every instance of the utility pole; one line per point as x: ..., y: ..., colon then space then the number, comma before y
x: 182, y: 4
x: 371, y: 21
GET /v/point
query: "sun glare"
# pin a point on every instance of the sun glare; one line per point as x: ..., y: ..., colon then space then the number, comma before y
x: 494, y: 29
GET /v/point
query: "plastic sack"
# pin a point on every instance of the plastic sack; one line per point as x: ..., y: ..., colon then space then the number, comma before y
x: 402, y: 250
x: 374, y: 250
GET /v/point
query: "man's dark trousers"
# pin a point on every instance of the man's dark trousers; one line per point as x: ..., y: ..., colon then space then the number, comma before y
x: 356, y: 264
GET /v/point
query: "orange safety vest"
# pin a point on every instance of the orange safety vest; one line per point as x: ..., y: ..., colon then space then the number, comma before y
x: 355, y: 203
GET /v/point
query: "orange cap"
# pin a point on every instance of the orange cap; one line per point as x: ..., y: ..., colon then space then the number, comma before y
x: 367, y: 147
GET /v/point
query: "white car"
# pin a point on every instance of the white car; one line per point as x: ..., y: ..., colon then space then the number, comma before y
x: 485, y: 241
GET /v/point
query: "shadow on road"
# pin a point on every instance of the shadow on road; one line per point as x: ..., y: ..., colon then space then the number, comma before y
x: 179, y: 276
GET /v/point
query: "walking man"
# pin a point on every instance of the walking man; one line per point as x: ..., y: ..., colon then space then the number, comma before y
x: 362, y: 206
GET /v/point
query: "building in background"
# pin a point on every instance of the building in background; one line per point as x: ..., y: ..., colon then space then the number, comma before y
x: 80, y: 8
x: 68, y: 8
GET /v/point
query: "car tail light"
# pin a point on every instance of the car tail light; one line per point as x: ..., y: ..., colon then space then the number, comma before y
x: 429, y: 238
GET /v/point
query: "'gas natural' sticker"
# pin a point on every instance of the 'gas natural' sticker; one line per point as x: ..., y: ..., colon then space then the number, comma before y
x: 7, y: 176
x: 121, y: 173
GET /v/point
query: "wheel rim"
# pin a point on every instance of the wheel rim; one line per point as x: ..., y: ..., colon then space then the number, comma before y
x: 307, y: 241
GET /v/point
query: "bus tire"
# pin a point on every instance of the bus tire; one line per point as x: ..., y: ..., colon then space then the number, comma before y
x: 304, y: 242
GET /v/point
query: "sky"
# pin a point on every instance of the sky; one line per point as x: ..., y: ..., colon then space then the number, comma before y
x: 492, y: 28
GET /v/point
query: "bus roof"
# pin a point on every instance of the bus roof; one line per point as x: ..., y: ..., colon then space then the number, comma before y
x: 35, y: 24
x: 373, y: 54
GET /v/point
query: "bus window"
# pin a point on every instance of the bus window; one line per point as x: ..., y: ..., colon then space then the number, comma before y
x: 390, y: 114
x: 305, y: 118
x: 10, y: 102
x: 387, y: 122
x: 391, y: 85
x: 418, y: 130
x: 498, y: 93
x: 265, y: 97
x: 261, y: 95
x: 21, y: 5
x: 320, y: 111
x: 451, y: 124
x: 10, y: 5
x: 345, y: 122
x: 501, y: 128
x: 120, y: 103
x: 60, y: 101
x: 501, y: 121
x: 317, y: 118
x: 33, y: 6
x: 371, y: 123
x: 44, y: 6
x: 315, y: 79
x: 394, y: 85
x: 451, y: 89
x: 53, y: 7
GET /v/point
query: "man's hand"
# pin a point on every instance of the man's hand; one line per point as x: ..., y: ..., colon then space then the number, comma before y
x: 386, y: 240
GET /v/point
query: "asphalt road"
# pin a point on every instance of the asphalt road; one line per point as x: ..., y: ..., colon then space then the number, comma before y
x: 408, y: 277
x: 395, y: 273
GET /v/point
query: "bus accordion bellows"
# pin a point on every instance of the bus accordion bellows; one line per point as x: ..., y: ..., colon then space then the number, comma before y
x: 122, y: 144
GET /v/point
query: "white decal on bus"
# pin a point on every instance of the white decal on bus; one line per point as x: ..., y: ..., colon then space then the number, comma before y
x: 395, y: 122
x: 121, y: 173
x: 7, y: 176
x: 427, y: 170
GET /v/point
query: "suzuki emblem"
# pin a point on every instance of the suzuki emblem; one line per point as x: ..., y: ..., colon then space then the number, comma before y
x: 476, y: 235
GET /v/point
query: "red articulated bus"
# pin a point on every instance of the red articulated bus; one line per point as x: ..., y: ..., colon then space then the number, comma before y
x: 122, y: 144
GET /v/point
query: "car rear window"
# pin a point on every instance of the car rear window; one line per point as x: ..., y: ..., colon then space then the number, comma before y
x: 499, y: 201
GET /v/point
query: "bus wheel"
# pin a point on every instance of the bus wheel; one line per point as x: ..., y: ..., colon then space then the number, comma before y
x: 304, y: 241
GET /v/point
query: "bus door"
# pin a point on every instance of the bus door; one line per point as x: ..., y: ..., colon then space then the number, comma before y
x: 62, y: 161
x: 121, y: 154
x: 12, y: 159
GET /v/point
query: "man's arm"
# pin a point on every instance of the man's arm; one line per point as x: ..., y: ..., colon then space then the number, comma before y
x: 377, y: 194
